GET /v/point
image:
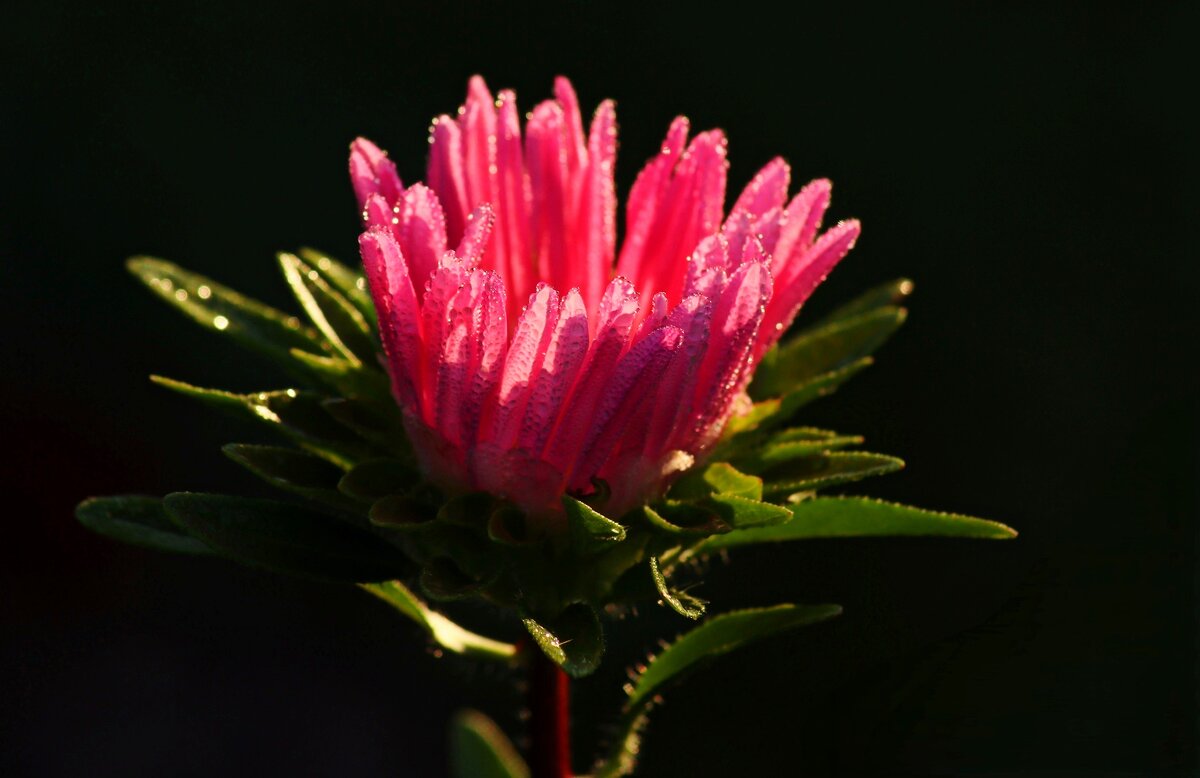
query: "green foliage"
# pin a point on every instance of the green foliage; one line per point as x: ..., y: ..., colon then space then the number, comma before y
x: 719, y: 635
x: 285, y: 538
x: 344, y: 326
x: 827, y: 469
x: 440, y: 629
x: 480, y: 749
x: 574, y: 639
x: 841, y: 517
x: 140, y: 521
x: 590, y: 531
x: 681, y: 602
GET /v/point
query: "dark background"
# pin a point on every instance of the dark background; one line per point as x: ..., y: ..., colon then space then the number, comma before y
x: 1025, y: 166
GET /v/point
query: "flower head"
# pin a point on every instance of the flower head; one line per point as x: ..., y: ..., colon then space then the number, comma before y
x: 531, y: 356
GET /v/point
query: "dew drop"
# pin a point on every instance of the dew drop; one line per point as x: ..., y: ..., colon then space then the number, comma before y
x: 203, y: 292
x: 181, y: 294
x: 220, y: 322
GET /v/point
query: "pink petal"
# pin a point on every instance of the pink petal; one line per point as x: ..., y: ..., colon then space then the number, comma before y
x: 475, y: 237
x: 646, y: 198
x: 627, y: 402
x: 530, y: 343
x: 371, y: 172
x: 596, y: 227
x: 565, y: 354
x: 396, y: 303
x: 801, y: 221
x: 512, y: 240
x: 446, y: 175
x: 421, y: 230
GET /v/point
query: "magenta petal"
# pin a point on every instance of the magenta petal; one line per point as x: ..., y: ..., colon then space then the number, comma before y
x: 565, y: 354
x: 801, y: 221
x: 446, y: 174
x: 530, y: 343
x: 627, y: 401
x: 512, y: 205
x: 371, y: 172
x: 396, y: 304
x: 475, y: 237
x: 421, y: 230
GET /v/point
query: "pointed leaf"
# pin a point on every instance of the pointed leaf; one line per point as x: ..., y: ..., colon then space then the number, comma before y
x: 823, y: 349
x: 717, y: 478
x: 297, y: 414
x: 770, y: 413
x: 574, y: 640
x: 681, y: 602
x: 351, y: 283
x: 832, y: 469
x: 480, y: 749
x: 686, y: 519
x: 369, y: 481
x: 251, y: 323
x: 720, y: 635
x: 285, y: 538
x: 890, y: 293
x: 379, y: 425
x: 831, y: 517
x: 352, y: 379
x: 590, y: 530
x: 442, y: 630
x: 341, y: 323
x: 778, y: 450
x: 294, y: 471
x: 741, y: 513
x: 140, y: 521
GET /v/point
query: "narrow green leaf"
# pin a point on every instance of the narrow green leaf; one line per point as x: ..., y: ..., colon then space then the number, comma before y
x: 832, y: 469
x: 742, y: 513
x: 574, y: 640
x: 777, y: 451
x: 374, y: 479
x: 681, y: 602
x: 350, y: 282
x: 352, y: 379
x: 140, y: 521
x: 773, y: 412
x: 252, y: 324
x: 400, y: 511
x: 717, y: 478
x: 294, y: 471
x: 341, y: 323
x: 590, y: 531
x: 685, y: 519
x: 832, y: 517
x: 285, y: 538
x: 442, y: 630
x: 720, y: 635
x: 890, y: 293
x: 444, y: 581
x: 823, y: 349
x: 297, y: 414
x: 380, y: 425
x: 480, y: 749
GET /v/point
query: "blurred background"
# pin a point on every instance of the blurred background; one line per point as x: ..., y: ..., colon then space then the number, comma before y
x: 1024, y: 165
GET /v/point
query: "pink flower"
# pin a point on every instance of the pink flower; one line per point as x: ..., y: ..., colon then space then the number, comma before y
x: 533, y: 356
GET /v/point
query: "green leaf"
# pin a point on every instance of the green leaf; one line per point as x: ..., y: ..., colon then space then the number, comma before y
x: 720, y: 635
x: 741, y: 513
x: 770, y: 413
x: 375, y: 479
x: 480, y: 749
x: 832, y: 469
x: 251, y: 323
x: 717, y: 478
x: 834, y: 517
x: 141, y: 521
x: 381, y: 426
x: 444, y: 581
x: 350, y: 283
x: 399, y: 511
x: 590, y: 531
x: 890, y: 293
x: 341, y: 323
x: 297, y: 414
x: 345, y: 377
x: 681, y: 602
x: 823, y: 349
x: 440, y: 629
x: 293, y: 471
x: 285, y: 538
x: 783, y: 447
x: 574, y: 640
x: 685, y: 519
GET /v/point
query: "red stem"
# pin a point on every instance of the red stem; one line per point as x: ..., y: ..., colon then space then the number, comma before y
x: 549, y: 717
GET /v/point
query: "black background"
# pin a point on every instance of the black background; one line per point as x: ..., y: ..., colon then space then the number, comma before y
x: 1025, y: 166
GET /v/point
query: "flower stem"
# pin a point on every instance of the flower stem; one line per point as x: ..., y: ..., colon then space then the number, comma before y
x: 549, y: 717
